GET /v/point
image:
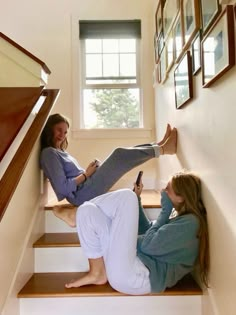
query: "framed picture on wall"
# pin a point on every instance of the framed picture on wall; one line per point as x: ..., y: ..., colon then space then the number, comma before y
x: 218, y: 47
x: 163, y: 67
x: 158, y: 17
x: 191, y: 20
x: 196, y: 53
x: 178, y: 37
x: 183, y: 81
x: 160, y: 43
x: 169, y: 51
x: 156, y: 48
x: 156, y: 75
x: 170, y: 11
x: 210, y: 9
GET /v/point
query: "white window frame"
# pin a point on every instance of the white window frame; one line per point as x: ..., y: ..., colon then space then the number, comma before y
x: 77, y: 92
x: 110, y: 86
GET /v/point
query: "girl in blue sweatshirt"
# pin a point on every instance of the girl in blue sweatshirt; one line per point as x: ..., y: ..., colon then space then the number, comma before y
x: 108, y: 227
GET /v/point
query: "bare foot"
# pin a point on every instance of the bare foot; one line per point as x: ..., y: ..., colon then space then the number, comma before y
x: 96, y: 275
x: 68, y: 215
x: 170, y: 146
x: 166, y: 136
x: 89, y: 278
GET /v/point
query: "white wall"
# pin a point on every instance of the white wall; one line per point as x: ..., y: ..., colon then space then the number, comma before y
x: 206, y: 144
x: 20, y: 227
x: 44, y: 28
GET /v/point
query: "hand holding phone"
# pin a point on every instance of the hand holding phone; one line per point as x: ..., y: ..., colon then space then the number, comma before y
x: 138, y: 180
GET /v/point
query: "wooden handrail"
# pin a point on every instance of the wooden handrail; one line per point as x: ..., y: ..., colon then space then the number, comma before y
x: 26, y: 52
x: 8, y: 182
x: 15, y: 106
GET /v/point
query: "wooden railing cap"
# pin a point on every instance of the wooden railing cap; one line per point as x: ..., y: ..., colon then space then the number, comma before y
x: 43, y: 65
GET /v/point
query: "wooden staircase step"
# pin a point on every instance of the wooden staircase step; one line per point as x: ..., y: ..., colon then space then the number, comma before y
x: 150, y: 199
x: 57, y: 240
x: 53, y: 285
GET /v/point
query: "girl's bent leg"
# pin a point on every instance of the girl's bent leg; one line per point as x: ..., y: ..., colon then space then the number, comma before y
x: 125, y: 272
x: 93, y: 230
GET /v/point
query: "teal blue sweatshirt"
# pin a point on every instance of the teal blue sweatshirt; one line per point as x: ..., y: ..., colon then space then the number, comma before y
x: 169, y: 248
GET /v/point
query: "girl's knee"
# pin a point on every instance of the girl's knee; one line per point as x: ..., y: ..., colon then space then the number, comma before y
x: 130, y: 196
x: 85, y: 210
x: 127, y: 194
x: 118, y: 152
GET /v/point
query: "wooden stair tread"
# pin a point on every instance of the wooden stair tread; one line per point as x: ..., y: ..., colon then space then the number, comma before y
x: 53, y: 285
x: 57, y: 240
x: 150, y: 199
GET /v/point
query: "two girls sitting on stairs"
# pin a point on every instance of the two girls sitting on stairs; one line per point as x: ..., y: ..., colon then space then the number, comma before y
x: 134, y: 255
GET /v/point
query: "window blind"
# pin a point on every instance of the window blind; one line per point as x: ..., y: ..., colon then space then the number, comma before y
x: 109, y: 29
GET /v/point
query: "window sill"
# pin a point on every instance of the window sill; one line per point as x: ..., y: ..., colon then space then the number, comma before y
x: 111, y: 133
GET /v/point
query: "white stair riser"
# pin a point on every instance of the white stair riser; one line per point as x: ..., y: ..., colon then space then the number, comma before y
x: 65, y: 259
x: 55, y: 225
x: 125, y: 305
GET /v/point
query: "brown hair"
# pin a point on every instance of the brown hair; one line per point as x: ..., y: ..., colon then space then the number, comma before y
x: 47, y: 133
x: 188, y: 186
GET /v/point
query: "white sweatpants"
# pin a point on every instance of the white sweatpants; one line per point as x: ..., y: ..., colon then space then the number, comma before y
x: 108, y: 226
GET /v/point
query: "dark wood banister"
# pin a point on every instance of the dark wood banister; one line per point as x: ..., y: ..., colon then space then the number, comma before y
x: 11, y: 177
x: 16, y: 105
x: 26, y: 52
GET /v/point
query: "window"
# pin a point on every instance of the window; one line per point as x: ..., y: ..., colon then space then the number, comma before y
x: 110, y: 74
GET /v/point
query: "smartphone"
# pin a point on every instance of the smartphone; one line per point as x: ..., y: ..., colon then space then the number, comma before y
x: 138, y: 180
x: 97, y: 162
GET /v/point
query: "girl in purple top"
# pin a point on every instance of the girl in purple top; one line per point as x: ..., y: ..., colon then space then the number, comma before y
x: 69, y: 180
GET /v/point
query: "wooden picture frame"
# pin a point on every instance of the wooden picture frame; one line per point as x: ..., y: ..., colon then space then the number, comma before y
x: 169, y: 51
x: 218, y: 47
x: 183, y: 81
x: 159, y: 17
x: 196, y: 54
x: 178, y: 37
x: 158, y: 73
x: 160, y: 43
x: 170, y: 11
x: 210, y: 9
x: 162, y: 64
x: 191, y: 20
x: 156, y: 49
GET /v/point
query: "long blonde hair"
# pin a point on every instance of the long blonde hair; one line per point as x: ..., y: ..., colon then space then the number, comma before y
x: 188, y: 185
